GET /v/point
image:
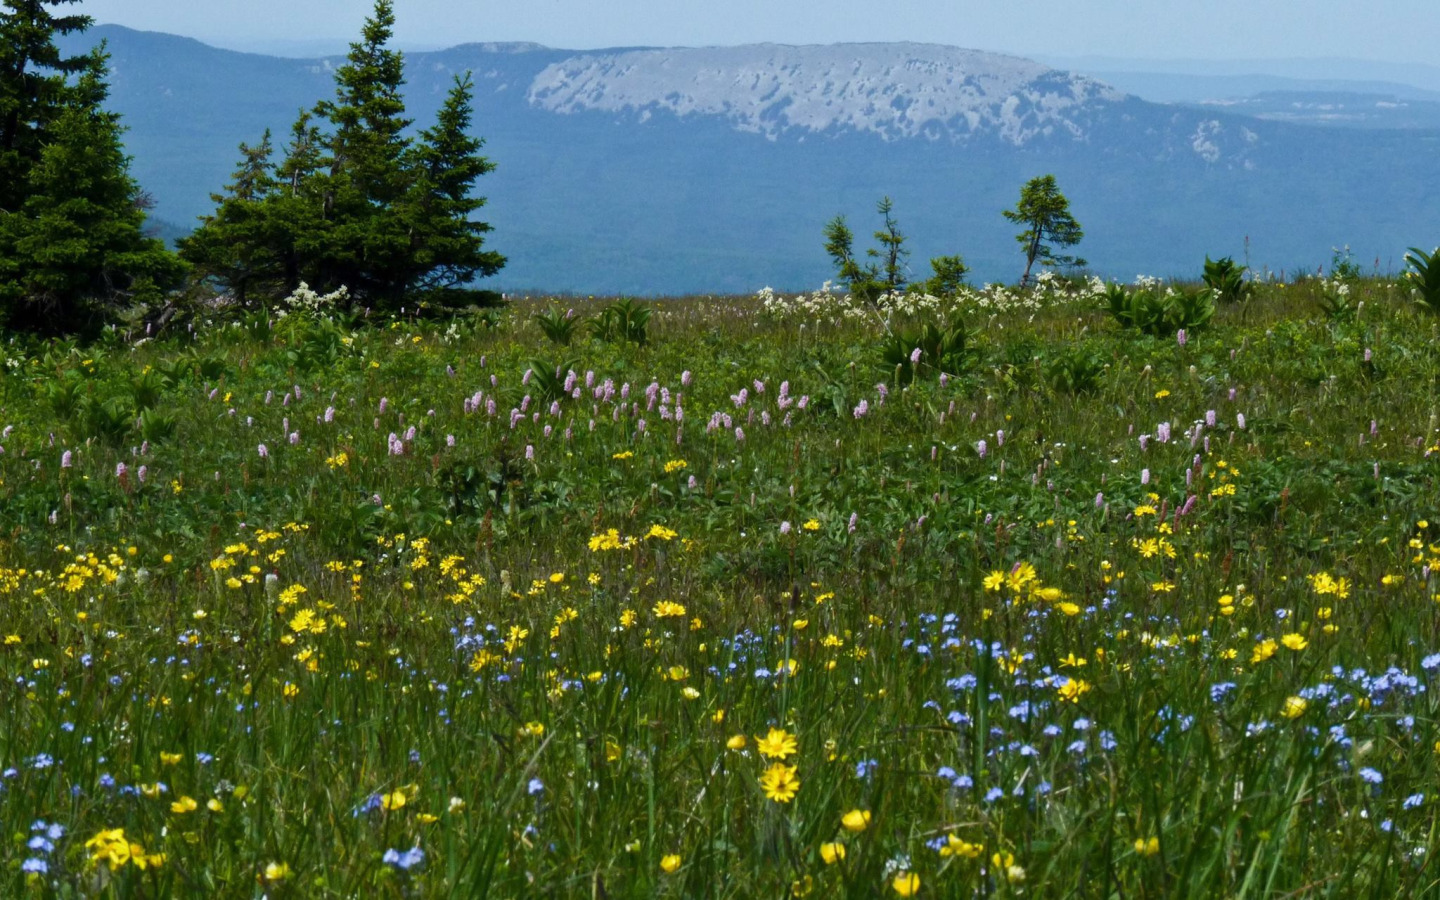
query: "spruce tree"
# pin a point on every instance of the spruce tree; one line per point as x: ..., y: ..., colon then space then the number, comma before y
x: 1045, y: 213
x: 237, y: 242
x: 367, y: 176
x: 357, y: 201
x: 446, y: 242
x: 37, y: 84
x: 72, y: 247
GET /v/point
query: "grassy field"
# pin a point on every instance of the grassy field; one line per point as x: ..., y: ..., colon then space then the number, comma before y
x: 305, y: 607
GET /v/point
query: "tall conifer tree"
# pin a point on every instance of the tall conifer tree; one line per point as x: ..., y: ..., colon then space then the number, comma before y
x: 72, y: 247
x: 358, y: 202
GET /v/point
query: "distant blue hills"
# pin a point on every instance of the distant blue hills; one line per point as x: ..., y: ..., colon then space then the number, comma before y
x: 685, y: 170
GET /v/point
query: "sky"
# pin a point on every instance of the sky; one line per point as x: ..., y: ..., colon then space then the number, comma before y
x: 1400, y: 31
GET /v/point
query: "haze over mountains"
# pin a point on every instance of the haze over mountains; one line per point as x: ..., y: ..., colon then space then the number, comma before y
x: 659, y: 171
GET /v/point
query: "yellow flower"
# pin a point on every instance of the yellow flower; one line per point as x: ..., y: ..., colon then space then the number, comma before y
x: 1295, y: 641
x: 169, y: 759
x: 1147, y: 846
x: 393, y: 800
x: 661, y: 532
x: 184, y: 805
x: 675, y: 465
x: 669, y: 863
x: 994, y: 580
x: 557, y: 577
x: 1161, y: 394
x: 812, y: 525
x: 779, y: 783
x: 832, y: 852
x: 277, y: 871
x: 1069, y: 609
x: 1294, y: 707
x: 906, y: 884
x: 856, y: 820
x: 776, y: 744
x: 624, y: 454
x: 1263, y: 651
x: 954, y: 846
x: 668, y: 609
x: 1073, y: 688
x: 214, y: 805
x: 736, y: 742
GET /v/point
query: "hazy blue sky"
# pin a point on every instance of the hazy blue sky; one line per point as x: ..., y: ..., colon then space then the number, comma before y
x: 1392, y: 30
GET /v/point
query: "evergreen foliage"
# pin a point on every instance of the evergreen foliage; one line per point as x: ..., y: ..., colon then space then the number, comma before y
x: 874, y: 280
x: 1045, y: 213
x: 72, y: 246
x: 355, y: 201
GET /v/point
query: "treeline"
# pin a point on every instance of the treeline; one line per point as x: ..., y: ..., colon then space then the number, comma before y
x: 352, y: 198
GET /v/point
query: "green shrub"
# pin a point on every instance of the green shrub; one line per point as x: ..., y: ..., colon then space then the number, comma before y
x: 1076, y: 370
x: 559, y: 327
x: 1160, y: 314
x: 1337, y: 304
x: 1424, y: 277
x: 107, y: 420
x: 547, y: 380
x: 1227, y: 280
x: 624, y: 321
x: 942, y: 349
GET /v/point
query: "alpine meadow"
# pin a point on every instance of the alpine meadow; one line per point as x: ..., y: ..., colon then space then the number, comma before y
x: 328, y: 571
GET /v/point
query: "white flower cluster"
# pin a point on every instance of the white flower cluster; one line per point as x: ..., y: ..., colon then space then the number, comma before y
x: 828, y: 305
x: 306, y: 300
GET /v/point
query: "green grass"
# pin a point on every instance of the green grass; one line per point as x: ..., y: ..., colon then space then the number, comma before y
x: 270, y: 670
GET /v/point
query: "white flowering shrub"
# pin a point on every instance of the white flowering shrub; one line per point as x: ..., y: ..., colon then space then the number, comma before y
x: 304, y: 300
x: 826, y: 305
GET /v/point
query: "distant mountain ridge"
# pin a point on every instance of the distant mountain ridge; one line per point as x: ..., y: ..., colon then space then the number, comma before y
x: 893, y: 90
x: 668, y: 170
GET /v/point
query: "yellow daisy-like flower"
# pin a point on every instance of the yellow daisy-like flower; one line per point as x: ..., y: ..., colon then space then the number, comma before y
x: 668, y: 609
x: 393, y: 800
x: 1295, y: 641
x: 779, y: 783
x: 777, y: 744
x: 906, y: 884
x: 856, y: 820
x: 669, y: 863
x: 1072, y: 689
x: 1263, y: 651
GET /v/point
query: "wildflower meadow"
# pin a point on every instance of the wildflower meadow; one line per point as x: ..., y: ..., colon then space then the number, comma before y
x: 1008, y: 594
